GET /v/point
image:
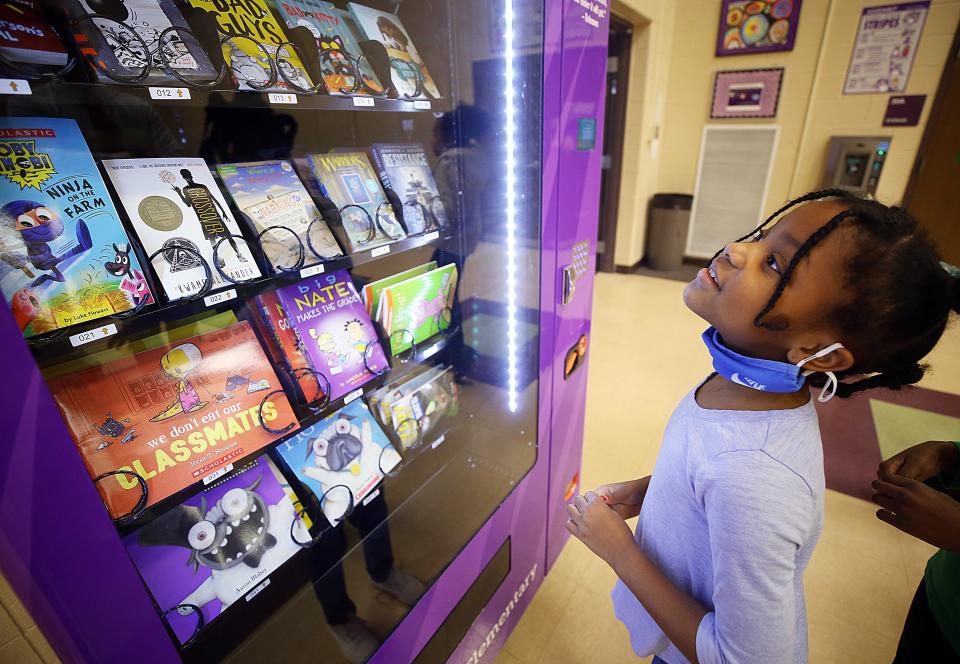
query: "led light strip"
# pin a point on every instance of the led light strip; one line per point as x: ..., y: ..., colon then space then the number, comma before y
x: 511, y: 131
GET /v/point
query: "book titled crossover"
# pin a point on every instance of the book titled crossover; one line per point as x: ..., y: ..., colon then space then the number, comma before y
x: 173, y: 414
x: 64, y: 256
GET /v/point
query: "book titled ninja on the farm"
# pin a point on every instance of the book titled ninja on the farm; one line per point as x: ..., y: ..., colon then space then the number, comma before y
x: 172, y: 415
x: 64, y: 256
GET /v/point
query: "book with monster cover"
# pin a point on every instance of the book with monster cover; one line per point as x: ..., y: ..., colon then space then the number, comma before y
x: 173, y: 414
x: 176, y: 208
x: 418, y: 308
x: 64, y: 255
x: 340, y: 54
x: 348, y: 180
x: 403, y: 167
x: 334, y: 331
x: 218, y: 546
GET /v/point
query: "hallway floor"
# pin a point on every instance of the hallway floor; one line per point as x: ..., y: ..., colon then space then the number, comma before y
x: 863, y: 574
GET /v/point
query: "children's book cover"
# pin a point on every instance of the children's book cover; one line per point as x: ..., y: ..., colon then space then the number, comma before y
x: 347, y: 448
x: 347, y: 179
x: 64, y: 256
x: 173, y: 414
x: 285, y: 347
x: 405, y: 60
x: 422, y: 306
x: 340, y: 54
x: 334, y: 330
x: 371, y: 292
x: 26, y: 37
x: 218, y: 546
x: 249, y: 23
x: 381, y: 401
x: 430, y: 403
x: 404, y: 168
x: 271, y: 195
x: 175, y: 206
x: 115, y: 46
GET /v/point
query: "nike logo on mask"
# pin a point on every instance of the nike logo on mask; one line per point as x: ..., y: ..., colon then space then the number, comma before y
x: 746, y: 382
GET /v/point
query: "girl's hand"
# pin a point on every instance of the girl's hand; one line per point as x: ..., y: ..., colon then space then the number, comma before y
x: 625, y: 498
x: 599, y: 527
x: 918, y: 510
x: 922, y: 461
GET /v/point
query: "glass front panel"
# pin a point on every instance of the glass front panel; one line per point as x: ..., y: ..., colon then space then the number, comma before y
x: 279, y: 264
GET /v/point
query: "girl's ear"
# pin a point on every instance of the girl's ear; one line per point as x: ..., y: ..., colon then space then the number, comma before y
x: 836, y: 361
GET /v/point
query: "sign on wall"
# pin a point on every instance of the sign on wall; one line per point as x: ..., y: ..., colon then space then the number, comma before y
x: 757, y: 26
x: 886, y: 44
x: 747, y: 93
x: 904, y: 110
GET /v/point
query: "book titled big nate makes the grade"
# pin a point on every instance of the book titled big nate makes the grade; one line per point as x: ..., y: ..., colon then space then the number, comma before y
x: 64, y: 256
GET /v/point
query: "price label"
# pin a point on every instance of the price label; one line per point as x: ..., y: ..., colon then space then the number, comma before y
x: 15, y: 86
x: 217, y: 474
x: 430, y: 237
x: 353, y: 396
x: 430, y: 352
x: 363, y: 101
x: 370, y: 497
x: 256, y: 591
x: 92, y: 335
x: 422, y: 105
x: 222, y: 296
x: 282, y: 98
x: 311, y: 271
x: 437, y: 442
x: 380, y: 251
x: 176, y: 94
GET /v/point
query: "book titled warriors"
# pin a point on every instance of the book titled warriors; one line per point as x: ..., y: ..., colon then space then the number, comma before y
x: 26, y: 37
x: 334, y: 330
x: 348, y: 180
x: 406, y: 65
x: 64, y: 256
x: 218, y: 546
x: 403, y: 167
x: 176, y: 208
x: 272, y: 196
x: 173, y: 414
x: 418, y: 308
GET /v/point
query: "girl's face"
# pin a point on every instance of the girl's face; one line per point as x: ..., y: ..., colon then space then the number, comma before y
x: 747, y: 273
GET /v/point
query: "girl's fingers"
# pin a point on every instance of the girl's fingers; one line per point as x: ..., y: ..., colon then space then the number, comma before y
x: 571, y: 527
x: 886, y: 502
x: 572, y: 511
x: 886, y: 488
x: 580, y: 502
x: 888, y: 517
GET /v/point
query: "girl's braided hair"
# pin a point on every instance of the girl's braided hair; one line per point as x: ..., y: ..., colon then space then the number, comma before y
x: 901, y: 295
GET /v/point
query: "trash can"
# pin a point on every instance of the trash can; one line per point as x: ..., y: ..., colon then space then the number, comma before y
x: 667, y: 230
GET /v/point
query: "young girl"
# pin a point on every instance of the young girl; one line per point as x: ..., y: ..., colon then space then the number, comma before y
x: 840, y: 287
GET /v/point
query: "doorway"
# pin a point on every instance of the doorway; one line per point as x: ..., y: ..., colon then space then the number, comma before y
x: 935, y: 179
x: 615, y: 117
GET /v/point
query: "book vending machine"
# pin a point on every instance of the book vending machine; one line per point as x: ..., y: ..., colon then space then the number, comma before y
x: 299, y: 303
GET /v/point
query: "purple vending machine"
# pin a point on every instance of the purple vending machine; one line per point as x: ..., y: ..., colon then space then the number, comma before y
x: 296, y: 344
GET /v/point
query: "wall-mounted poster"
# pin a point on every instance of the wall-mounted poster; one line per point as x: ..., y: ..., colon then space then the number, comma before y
x: 887, y: 40
x: 746, y: 93
x: 757, y: 26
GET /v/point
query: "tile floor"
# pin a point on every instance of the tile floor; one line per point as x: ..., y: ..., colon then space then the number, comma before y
x: 863, y: 574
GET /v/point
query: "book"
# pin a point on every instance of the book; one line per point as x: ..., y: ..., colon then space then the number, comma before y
x: 113, y: 45
x: 173, y: 414
x: 420, y: 307
x: 251, y: 24
x: 271, y: 195
x: 371, y: 292
x: 334, y: 330
x: 347, y: 179
x: 403, y: 167
x: 405, y: 61
x: 64, y: 256
x: 27, y: 38
x: 347, y: 450
x: 174, y: 205
x: 430, y: 402
x: 340, y: 54
x: 219, y: 546
x: 285, y: 348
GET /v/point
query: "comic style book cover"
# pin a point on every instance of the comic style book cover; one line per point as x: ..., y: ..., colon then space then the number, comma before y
x: 26, y: 37
x: 334, y: 330
x: 347, y: 448
x: 347, y: 179
x: 271, y: 194
x: 388, y: 30
x: 64, y: 256
x: 175, y: 203
x: 371, y: 292
x: 430, y: 402
x: 115, y: 48
x: 250, y: 23
x: 340, y: 53
x: 218, y: 546
x: 173, y: 414
x: 404, y: 168
x: 421, y: 305
x: 381, y: 400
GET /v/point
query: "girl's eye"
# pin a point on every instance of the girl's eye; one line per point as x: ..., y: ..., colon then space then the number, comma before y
x: 773, y: 263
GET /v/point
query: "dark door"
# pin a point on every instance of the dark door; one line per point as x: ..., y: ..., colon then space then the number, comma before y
x: 618, y: 61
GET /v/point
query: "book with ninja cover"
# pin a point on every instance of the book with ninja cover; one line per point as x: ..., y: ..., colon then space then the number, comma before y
x: 27, y: 38
x: 64, y: 255
x: 403, y: 167
x: 218, y: 546
x: 173, y: 414
x: 174, y: 205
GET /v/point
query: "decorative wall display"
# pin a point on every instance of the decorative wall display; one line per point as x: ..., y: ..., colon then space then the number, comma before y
x: 887, y: 40
x: 757, y: 26
x: 746, y: 93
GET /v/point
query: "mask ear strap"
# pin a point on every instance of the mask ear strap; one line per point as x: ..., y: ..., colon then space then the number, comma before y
x: 820, y: 353
x: 830, y: 388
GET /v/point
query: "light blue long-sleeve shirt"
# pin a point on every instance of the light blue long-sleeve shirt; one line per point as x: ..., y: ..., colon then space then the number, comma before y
x: 731, y: 516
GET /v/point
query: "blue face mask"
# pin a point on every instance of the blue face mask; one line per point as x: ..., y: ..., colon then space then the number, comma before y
x: 765, y: 375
